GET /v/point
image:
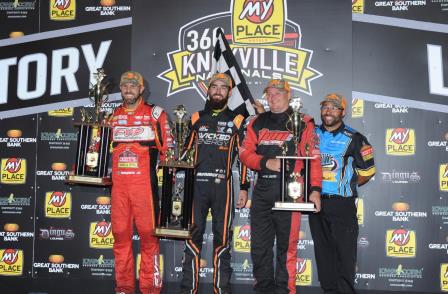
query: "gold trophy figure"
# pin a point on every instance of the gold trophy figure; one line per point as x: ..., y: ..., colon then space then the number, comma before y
x: 293, y: 185
x: 94, y: 138
x: 176, y: 211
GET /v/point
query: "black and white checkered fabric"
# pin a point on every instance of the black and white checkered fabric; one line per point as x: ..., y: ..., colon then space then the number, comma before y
x: 225, y: 62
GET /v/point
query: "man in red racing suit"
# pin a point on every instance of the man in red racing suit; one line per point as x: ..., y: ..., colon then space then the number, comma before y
x: 140, y: 133
x: 266, y: 134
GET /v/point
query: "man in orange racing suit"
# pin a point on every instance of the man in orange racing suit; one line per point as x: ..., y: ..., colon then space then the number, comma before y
x: 140, y: 133
x: 266, y: 134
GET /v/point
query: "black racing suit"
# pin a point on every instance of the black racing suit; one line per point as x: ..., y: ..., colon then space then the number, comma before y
x: 216, y: 137
x: 265, y: 136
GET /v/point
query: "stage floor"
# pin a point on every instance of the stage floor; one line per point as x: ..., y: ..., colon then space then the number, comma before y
x: 67, y: 286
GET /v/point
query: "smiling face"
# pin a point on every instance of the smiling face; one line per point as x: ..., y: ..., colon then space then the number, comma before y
x: 131, y: 92
x: 331, y: 115
x: 219, y: 93
x: 278, y: 99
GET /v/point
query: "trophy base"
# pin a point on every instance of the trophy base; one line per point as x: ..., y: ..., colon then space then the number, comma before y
x: 176, y: 233
x: 86, y: 180
x: 292, y: 206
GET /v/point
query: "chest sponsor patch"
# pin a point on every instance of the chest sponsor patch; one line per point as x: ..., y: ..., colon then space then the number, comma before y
x: 133, y: 133
x: 127, y: 159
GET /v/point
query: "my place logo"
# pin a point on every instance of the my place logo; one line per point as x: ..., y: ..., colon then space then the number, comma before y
x: 357, y: 107
x: 13, y: 170
x: 11, y: 262
x: 304, y: 272
x: 241, y: 238
x: 443, y: 177
x: 400, y: 142
x: 58, y: 204
x: 61, y: 10
x: 444, y: 277
x: 100, y: 235
x: 401, y: 243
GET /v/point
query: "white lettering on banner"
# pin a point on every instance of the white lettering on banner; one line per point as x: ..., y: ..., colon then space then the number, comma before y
x: 58, y: 73
x: 130, y: 134
x: 435, y: 70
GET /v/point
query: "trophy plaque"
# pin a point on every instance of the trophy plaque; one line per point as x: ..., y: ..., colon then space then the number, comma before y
x: 178, y: 172
x: 294, y: 187
x: 94, y: 139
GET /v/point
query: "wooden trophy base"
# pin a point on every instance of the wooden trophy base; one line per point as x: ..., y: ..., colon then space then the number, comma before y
x: 87, y: 180
x: 176, y: 233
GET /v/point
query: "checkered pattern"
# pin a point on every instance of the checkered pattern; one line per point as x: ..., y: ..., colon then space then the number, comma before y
x: 225, y: 62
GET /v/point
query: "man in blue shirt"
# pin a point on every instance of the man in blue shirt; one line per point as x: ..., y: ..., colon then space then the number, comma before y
x: 347, y: 162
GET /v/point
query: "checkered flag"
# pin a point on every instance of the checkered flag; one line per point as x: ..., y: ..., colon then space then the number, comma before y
x: 225, y: 62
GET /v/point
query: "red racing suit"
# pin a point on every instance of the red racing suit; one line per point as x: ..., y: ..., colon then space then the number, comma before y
x: 138, y: 137
x: 265, y: 136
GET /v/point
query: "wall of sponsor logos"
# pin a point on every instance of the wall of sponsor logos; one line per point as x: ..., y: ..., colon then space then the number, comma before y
x: 389, y: 56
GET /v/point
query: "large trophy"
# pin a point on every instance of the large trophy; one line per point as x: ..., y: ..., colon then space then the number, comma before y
x: 94, y: 138
x: 178, y: 172
x: 294, y: 187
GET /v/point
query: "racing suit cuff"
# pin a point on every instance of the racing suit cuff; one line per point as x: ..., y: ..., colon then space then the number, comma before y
x: 316, y: 188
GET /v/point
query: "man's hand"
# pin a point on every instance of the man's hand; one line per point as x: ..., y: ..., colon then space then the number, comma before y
x: 259, y: 108
x: 242, y: 199
x: 315, y: 198
x: 273, y: 164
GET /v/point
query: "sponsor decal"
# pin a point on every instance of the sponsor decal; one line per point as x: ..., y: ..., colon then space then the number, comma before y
x: 329, y: 166
x: 400, y: 141
x: 13, y: 205
x: 241, y: 238
x: 17, y: 9
x: 100, y: 235
x: 63, y: 112
x: 304, y: 241
x: 108, y: 7
x: 357, y: 104
x: 242, y: 212
x: 100, y: 266
x: 13, y: 171
x: 101, y: 207
x: 357, y: 6
x: 127, y: 159
x: 304, y: 274
x: 62, y: 10
x: 360, y: 210
x: 58, y: 172
x: 58, y: 204
x: 11, y: 262
x: 59, y: 139
x: 56, y: 264
x: 401, y: 213
x: 366, y: 152
x: 265, y: 43
x: 14, y: 139
x: 133, y: 133
x: 444, y: 277
x: 441, y: 211
x: 393, y: 108
x: 363, y: 242
x: 11, y: 233
x: 56, y: 234
x: 400, y: 177
x: 401, y: 243
x: 400, y: 5
x: 243, y: 271
x: 443, y: 177
x: 401, y: 276
x: 442, y: 144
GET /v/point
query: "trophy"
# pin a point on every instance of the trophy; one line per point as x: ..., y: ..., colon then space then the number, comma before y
x: 94, y: 138
x: 293, y: 186
x: 177, y: 210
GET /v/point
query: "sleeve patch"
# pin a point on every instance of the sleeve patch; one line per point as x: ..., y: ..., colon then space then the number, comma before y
x: 366, y: 152
x: 156, y: 112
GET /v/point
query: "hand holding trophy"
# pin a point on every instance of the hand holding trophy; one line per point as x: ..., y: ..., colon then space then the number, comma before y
x: 176, y: 210
x: 93, y: 138
x: 294, y: 186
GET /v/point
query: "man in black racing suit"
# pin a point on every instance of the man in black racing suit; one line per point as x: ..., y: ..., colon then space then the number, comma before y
x: 216, y: 133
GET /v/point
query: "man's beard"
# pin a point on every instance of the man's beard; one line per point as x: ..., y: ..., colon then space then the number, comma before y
x: 131, y: 101
x: 218, y: 104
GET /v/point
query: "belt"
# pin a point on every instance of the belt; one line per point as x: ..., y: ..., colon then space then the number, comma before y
x: 334, y: 196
